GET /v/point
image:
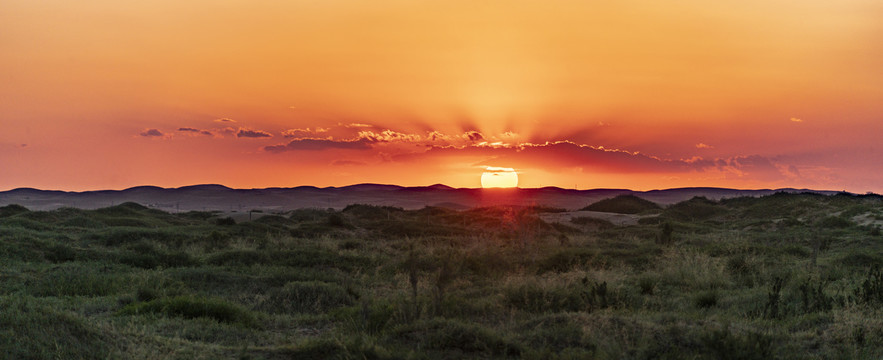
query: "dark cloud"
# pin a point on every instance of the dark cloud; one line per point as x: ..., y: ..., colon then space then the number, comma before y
x: 194, y: 130
x: 561, y: 155
x: 248, y: 133
x: 151, y: 133
x: 474, y: 136
x: 320, y: 144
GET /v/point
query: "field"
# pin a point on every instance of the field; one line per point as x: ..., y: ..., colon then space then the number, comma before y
x: 790, y: 276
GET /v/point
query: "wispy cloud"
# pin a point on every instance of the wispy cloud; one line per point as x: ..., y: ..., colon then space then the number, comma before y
x: 358, y: 125
x: 225, y: 120
x: 704, y: 146
x: 797, y: 120
x: 305, y: 132
x: 319, y: 144
x: 249, y: 133
x: 194, y: 131
x: 152, y: 133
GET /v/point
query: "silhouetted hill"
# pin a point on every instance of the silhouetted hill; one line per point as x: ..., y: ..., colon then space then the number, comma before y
x: 222, y: 198
x: 623, y: 204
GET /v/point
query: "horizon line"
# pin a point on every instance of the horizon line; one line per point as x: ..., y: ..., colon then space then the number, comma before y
x: 424, y: 186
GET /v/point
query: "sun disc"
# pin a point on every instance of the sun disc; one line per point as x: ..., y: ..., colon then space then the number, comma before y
x: 497, y: 177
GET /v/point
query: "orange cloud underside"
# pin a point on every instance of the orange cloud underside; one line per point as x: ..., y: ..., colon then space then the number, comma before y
x: 639, y: 94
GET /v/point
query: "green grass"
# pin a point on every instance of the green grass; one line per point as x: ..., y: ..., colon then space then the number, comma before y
x: 792, y: 276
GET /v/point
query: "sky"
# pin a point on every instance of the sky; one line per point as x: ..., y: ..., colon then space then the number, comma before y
x: 636, y: 94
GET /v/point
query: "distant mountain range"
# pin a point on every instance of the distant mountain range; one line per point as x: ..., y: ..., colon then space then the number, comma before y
x: 219, y: 197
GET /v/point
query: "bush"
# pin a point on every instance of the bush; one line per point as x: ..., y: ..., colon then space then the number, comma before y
x: 564, y: 260
x: 78, y: 280
x: 459, y: 339
x: 31, y: 330
x: 725, y: 344
x: 554, y: 333
x: 227, y: 221
x: 834, y: 222
x: 306, y: 297
x: 190, y: 307
x: 239, y: 258
x: 536, y: 299
x: 706, y: 299
x: 871, y: 289
x: 594, y: 223
x: 59, y: 253
x: 12, y: 209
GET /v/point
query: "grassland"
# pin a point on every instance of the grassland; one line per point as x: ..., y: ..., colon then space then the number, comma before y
x: 790, y: 276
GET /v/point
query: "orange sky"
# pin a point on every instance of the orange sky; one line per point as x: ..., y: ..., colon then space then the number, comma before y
x: 634, y: 94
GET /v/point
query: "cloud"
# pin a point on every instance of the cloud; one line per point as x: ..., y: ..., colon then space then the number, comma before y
x: 225, y: 120
x: 300, y: 133
x: 357, y: 125
x: 704, y: 146
x: 387, y: 136
x: 498, y: 169
x: 195, y: 131
x: 249, y: 133
x: 562, y: 156
x: 152, y: 133
x: 796, y: 120
x: 473, y: 136
x: 437, y: 136
x: 319, y: 144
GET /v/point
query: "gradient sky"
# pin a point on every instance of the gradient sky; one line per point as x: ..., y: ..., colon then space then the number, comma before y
x: 633, y: 94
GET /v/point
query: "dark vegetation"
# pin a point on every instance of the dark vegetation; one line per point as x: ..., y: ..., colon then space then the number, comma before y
x: 794, y: 276
x: 623, y: 204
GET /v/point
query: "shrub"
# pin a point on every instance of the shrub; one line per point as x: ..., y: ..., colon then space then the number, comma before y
x: 813, y: 298
x: 725, y: 344
x: 306, y: 297
x: 554, y: 333
x: 534, y: 298
x: 706, y: 299
x: 12, y: 209
x: 59, y: 253
x: 239, y: 258
x: 871, y: 289
x: 592, y: 222
x: 78, y: 280
x: 665, y: 231
x: 564, y: 260
x: 227, y: 221
x: 31, y: 330
x: 774, y: 309
x: 646, y: 285
x: 834, y: 222
x: 127, y: 235
x: 190, y: 307
x: 452, y: 336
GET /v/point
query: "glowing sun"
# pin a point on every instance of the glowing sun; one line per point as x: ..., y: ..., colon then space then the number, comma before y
x: 497, y: 177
